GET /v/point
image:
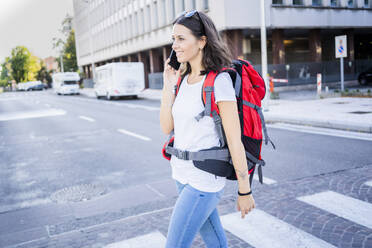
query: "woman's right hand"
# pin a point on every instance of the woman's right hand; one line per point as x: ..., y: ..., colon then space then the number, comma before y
x: 170, y: 76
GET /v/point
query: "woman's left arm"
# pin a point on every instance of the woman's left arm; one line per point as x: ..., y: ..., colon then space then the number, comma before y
x: 231, y: 125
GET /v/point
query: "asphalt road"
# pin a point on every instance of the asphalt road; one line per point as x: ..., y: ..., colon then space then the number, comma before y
x: 81, y: 140
x: 104, y: 159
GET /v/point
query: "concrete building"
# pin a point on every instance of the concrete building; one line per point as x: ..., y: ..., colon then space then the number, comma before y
x: 300, y: 33
x: 51, y: 63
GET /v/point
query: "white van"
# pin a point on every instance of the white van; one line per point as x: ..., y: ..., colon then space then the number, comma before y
x: 119, y: 79
x: 66, y: 83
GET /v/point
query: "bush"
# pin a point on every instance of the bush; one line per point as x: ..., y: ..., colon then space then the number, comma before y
x: 4, y: 83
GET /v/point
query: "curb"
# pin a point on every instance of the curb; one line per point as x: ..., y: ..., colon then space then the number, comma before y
x: 355, y: 127
x: 324, y: 124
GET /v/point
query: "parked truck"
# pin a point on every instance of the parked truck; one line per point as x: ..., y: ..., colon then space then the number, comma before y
x: 118, y: 79
x: 66, y: 83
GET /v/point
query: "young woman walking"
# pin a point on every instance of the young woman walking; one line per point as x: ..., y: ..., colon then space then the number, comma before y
x: 200, y: 49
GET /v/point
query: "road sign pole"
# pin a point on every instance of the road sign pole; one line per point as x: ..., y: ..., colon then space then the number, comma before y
x: 342, y: 73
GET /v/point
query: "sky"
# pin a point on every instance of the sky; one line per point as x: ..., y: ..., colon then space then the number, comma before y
x: 31, y: 23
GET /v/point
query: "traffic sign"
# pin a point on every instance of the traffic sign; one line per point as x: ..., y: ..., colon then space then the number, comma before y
x: 341, y: 46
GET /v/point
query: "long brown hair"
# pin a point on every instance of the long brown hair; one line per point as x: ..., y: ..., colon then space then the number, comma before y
x: 216, y: 54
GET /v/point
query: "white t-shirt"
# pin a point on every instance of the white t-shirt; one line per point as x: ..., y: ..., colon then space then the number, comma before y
x: 193, y: 135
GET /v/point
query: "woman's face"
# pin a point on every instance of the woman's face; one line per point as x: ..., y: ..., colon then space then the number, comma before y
x: 185, y: 44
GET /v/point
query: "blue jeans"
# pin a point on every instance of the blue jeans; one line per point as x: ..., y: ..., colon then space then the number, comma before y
x: 195, y: 211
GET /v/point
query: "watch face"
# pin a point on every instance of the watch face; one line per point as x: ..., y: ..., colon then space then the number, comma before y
x: 173, y: 61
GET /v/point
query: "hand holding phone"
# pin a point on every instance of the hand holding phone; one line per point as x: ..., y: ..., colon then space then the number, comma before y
x: 173, y: 60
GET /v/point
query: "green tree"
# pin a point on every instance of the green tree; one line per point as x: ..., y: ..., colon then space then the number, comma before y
x: 66, y: 46
x: 5, y: 73
x: 5, y: 70
x: 19, y: 63
x: 33, y: 67
x: 43, y: 75
x: 69, y: 53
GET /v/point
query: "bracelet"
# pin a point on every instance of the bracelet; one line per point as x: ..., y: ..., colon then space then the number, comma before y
x: 241, y: 194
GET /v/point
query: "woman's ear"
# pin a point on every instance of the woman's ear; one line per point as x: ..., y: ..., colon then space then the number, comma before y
x: 202, y: 42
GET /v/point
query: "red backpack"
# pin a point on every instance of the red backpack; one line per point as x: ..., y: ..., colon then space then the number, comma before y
x: 249, y: 90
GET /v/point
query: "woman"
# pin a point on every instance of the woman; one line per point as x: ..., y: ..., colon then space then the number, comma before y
x: 200, y: 50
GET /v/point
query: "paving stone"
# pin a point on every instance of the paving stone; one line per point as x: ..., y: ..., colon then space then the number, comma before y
x: 279, y: 200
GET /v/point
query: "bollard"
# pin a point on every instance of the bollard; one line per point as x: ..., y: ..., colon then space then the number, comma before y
x: 271, y: 85
x: 319, y: 83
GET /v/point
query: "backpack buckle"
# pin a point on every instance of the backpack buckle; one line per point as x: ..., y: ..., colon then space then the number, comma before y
x: 217, y: 120
x: 184, y: 155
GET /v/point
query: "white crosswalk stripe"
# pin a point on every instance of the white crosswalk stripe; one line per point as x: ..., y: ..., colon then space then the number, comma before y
x: 31, y: 114
x: 368, y: 183
x: 123, y: 131
x: 260, y: 229
x: 344, y: 206
x: 256, y: 226
x: 266, y: 180
x: 153, y: 240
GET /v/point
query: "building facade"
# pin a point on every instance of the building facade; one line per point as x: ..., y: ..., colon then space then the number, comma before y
x: 300, y: 33
x: 51, y: 64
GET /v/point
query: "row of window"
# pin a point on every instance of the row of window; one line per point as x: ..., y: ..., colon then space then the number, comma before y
x: 332, y: 3
x: 123, y: 24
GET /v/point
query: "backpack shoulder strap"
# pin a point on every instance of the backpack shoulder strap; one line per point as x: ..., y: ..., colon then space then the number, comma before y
x: 177, y: 86
x: 208, y: 94
x: 211, y: 108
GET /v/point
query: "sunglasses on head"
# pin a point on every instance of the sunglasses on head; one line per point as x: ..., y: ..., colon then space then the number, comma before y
x: 192, y: 13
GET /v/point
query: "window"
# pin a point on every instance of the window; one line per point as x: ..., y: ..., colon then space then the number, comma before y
x: 350, y: 3
x: 148, y: 19
x: 366, y: 3
x: 135, y: 26
x: 317, y: 3
x: 142, y: 22
x: 130, y: 25
x: 277, y: 1
x: 205, y: 4
x: 163, y: 13
x: 334, y: 3
x: 154, y: 15
x: 193, y: 4
x: 172, y: 10
x: 298, y: 2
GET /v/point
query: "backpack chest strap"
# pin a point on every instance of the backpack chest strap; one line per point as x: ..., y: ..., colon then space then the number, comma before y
x: 217, y: 154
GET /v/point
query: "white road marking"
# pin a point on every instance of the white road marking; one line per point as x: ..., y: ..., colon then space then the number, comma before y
x: 134, y: 135
x: 153, y: 240
x: 10, y: 98
x: 344, y: 206
x: 130, y: 105
x: 260, y: 229
x: 266, y: 180
x: 31, y: 114
x: 86, y: 118
x: 368, y: 183
x: 25, y: 204
x: 156, y: 191
x: 322, y: 131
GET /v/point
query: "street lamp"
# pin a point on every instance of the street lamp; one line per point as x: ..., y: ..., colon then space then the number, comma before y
x: 58, y: 43
x: 264, y: 55
x: 90, y: 39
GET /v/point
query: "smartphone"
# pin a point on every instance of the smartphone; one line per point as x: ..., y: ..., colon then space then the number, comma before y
x: 173, y: 60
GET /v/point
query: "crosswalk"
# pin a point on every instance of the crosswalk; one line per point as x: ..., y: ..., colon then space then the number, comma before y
x: 260, y: 229
x: 352, y: 209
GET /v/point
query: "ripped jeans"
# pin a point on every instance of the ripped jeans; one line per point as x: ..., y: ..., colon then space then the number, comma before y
x: 195, y: 211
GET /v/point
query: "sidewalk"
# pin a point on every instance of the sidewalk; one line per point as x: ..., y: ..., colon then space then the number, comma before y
x: 304, y: 108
